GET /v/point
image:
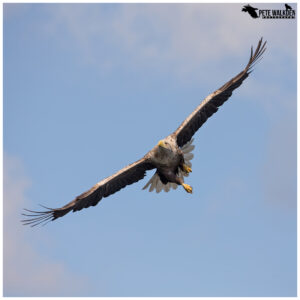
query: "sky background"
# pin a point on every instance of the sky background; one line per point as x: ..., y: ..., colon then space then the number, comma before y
x: 91, y: 88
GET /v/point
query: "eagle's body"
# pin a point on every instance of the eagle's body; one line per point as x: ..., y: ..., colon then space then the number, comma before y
x: 167, y: 154
x: 170, y: 157
x: 167, y: 158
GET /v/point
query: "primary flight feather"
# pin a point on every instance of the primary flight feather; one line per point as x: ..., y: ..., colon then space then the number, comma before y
x: 170, y: 157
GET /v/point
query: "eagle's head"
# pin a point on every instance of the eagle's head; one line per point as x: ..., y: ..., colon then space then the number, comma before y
x: 167, y: 143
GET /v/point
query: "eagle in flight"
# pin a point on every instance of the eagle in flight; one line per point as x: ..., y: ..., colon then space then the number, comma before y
x: 170, y: 157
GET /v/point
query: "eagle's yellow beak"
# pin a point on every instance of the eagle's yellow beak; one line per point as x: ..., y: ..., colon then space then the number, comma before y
x: 161, y: 143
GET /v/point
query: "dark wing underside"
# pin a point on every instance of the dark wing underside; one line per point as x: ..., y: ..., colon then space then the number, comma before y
x: 211, y: 103
x: 128, y: 175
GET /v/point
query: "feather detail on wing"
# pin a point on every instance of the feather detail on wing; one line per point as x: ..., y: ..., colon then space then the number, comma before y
x: 128, y: 175
x: 211, y: 103
x: 155, y: 182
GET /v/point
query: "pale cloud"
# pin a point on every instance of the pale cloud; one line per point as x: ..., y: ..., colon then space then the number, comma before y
x: 279, y: 171
x: 27, y: 272
x: 179, y: 38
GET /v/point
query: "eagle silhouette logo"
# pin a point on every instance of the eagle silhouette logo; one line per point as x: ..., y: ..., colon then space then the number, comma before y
x: 287, y: 7
x: 250, y: 10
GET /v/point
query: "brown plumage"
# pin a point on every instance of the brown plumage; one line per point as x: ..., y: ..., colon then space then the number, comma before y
x: 171, y: 156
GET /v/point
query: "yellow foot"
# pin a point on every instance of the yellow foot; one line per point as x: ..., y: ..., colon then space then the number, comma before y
x: 186, y: 168
x: 188, y: 188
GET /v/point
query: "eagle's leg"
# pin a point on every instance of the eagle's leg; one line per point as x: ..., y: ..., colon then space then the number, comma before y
x: 187, y: 187
x: 186, y: 168
x: 171, y: 176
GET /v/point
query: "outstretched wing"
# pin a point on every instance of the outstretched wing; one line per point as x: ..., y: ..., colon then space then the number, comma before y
x: 211, y: 103
x: 128, y: 175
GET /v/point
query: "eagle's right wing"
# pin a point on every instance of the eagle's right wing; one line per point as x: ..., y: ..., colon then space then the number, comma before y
x: 211, y: 103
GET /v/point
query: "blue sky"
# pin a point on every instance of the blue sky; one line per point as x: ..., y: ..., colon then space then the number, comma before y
x: 91, y: 88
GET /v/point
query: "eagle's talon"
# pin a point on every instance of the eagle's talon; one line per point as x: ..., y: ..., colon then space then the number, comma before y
x: 186, y: 168
x: 188, y: 188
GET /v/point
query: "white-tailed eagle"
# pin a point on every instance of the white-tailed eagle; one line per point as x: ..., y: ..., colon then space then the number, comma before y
x: 170, y: 157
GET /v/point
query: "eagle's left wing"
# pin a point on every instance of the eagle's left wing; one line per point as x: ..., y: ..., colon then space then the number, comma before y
x: 211, y: 103
x: 128, y: 175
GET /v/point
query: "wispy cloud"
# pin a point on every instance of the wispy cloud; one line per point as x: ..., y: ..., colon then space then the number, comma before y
x: 27, y: 272
x: 179, y: 37
x: 279, y: 171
